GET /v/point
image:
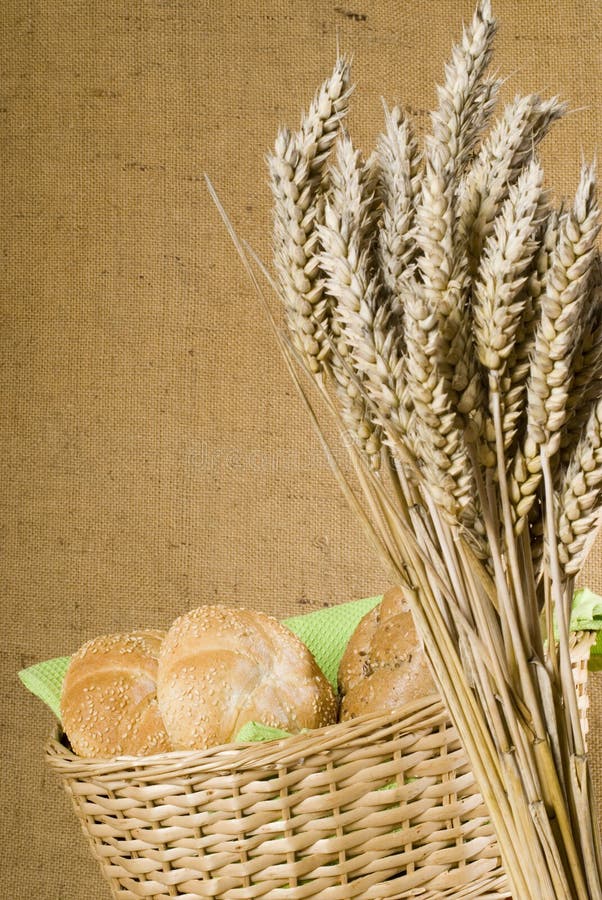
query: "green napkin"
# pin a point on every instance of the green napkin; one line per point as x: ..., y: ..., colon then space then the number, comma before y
x: 45, y: 680
x: 255, y: 731
x: 325, y: 632
x: 587, y: 616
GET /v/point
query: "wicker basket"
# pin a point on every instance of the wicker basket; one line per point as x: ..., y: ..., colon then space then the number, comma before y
x: 385, y: 806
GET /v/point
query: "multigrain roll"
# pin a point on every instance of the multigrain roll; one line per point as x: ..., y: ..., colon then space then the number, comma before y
x: 109, y: 697
x: 384, y: 665
x: 220, y: 668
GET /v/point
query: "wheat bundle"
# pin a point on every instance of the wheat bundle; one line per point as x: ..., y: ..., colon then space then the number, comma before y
x: 451, y: 319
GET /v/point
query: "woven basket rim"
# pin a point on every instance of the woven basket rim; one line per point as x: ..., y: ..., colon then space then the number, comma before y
x: 419, y: 716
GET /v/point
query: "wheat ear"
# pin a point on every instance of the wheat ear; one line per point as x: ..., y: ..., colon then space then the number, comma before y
x: 465, y: 99
x: 508, y: 147
x: 557, y: 336
x: 399, y: 160
x: 296, y: 166
x: 465, y: 103
x: 498, y: 298
x: 586, y: 382
x: 439, y: 440
x: 454, y: 134
x: 578, y: 499
x: 346, y: 259
x: 497, y: 302
x: 514, y: 383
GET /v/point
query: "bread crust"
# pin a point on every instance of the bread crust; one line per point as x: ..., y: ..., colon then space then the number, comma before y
x: 221, y: 667
x: 354, y: 665
x: 384, y: 665
x: 109, y: 697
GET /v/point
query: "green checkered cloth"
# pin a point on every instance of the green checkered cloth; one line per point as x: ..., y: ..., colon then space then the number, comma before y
x: 45, y: 680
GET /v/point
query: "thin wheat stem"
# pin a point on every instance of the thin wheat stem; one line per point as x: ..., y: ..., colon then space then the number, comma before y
x: 574, y: 732
x: 532, y: 603
x: 561, y: 607
x: 517, y: 574
x: 430, y: 629
x: 505, y: 599
x: 511, y: 702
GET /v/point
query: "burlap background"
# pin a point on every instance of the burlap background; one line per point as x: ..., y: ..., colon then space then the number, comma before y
x: 154, y: 454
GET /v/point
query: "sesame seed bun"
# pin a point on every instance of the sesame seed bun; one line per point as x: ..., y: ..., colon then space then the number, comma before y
x: 109, y: 697
x: 220, y: 668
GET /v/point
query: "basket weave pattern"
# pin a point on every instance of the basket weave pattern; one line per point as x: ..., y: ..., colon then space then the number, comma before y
x: 384, y: 806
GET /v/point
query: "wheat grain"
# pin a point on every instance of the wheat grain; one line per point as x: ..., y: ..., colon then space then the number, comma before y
x: 296, y: 168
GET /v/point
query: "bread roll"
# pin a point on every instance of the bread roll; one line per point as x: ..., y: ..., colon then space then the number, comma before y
x: 220, y: 668
x: 109, y: 697
x: 384, y: 666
